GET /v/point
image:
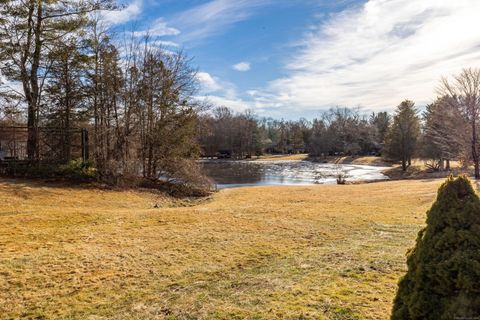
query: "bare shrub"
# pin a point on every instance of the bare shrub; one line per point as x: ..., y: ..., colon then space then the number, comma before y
x: 341, y: 178
x: 340, y: 175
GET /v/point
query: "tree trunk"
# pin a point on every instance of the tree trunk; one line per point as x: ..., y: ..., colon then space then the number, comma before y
x: 474, y: 149
x: 68, y: 143
x: 32, y: 143
x: 31, y: 104
x: 32, y: 140
x: 404, y: 164
x: 447, y: 165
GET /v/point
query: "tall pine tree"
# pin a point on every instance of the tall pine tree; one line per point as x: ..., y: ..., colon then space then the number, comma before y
x: 401, y: 141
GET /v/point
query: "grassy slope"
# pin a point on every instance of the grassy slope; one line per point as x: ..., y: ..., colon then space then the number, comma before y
x: 301, y: 156
x: 419, y: 170
x: 323, y: 252
x: 362, y: 160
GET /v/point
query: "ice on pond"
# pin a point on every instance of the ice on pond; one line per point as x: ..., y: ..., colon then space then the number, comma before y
x: 228, y: 174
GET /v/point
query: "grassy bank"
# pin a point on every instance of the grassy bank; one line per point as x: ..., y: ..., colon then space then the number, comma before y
x: 290, y: 157
x: 360, y: 160
x: 419, y: 170
x: 319, y: 252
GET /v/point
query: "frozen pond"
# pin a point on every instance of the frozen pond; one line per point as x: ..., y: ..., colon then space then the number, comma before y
x: 229, y: 174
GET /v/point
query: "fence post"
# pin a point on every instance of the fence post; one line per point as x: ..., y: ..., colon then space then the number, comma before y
x: 85, y: 152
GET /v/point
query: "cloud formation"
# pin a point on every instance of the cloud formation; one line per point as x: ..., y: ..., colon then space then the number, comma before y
x: 242, y: 66
x: 380, y: 53
x: 129, y: 13
x: 208, y: 83
x: 214, y: 17
x: 220, y: 93
x: 159, y: 28
x: 372, y: 55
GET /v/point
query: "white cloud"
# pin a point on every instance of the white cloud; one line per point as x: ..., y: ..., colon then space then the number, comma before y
x: 159, y: 28
x: 129, y: 13
x: 215, y: 17
x: 220, y: 93
x: 236, y: 104
x: 242, y: 66
x: 164, y: 43
x: 378, y: 54
x: 208, y: 83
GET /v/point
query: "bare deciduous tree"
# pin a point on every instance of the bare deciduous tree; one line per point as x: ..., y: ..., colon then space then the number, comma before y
x: 464, y: 93
x: 444, y: 137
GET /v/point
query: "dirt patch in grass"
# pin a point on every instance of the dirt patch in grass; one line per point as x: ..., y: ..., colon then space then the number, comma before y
x: 319, y: 252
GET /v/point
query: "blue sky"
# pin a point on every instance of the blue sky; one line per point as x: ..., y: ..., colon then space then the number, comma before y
x: 295, y: 58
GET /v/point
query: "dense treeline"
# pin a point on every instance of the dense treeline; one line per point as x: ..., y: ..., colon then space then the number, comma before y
x: 230, y: 134
x: 337, y: 131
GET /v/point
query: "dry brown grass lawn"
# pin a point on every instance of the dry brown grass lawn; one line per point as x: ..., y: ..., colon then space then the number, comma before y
x: 300, y: 156
x: 362, y: 160
x: 319, y: 252
x: 419, y: 170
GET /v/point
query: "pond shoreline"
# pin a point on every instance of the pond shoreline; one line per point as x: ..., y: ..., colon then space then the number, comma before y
x: 239, y: 173
x: 392, y: 170
x: 360, y: 160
